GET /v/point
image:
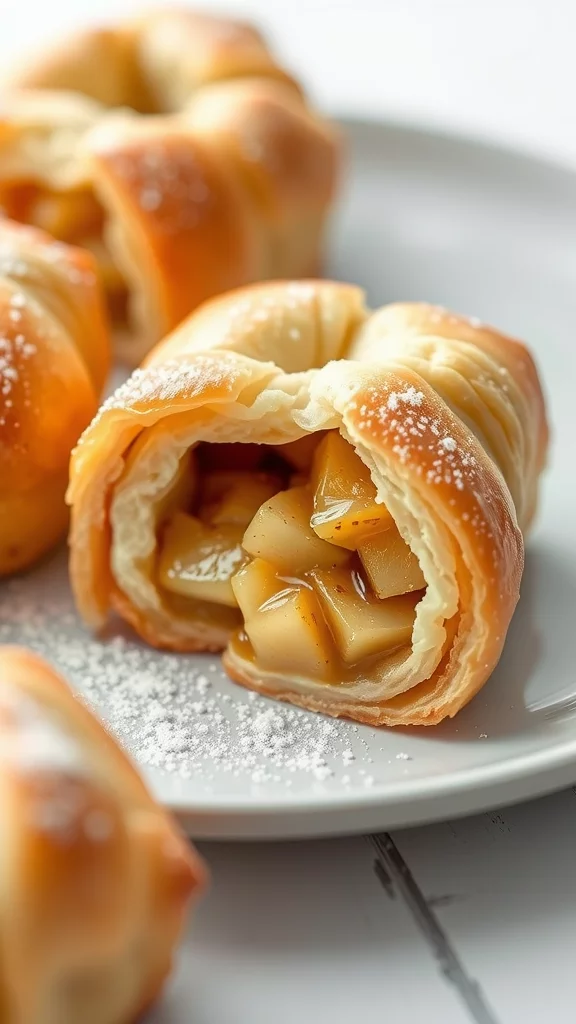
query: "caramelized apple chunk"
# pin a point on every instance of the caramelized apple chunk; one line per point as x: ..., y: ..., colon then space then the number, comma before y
x: 198, y: 560
x: 281, y: 534
x: 391, y: 567
x: 361, y: 625
x: 230, y: 497
x: 345, y: 510
x: 286, y: 628
x: 254, y: 584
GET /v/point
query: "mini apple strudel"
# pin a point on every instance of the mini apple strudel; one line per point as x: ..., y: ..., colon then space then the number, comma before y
x: 335, y: 497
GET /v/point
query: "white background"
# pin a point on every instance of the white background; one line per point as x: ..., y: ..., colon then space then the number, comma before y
x: 306, y: 933
x: 501, y: 67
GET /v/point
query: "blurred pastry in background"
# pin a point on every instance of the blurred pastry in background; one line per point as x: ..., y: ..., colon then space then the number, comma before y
x: 192, y: 166
x: 95, y: 875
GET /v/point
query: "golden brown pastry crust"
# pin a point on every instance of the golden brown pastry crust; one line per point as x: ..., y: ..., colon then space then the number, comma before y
x: 417, y: 391
x: 54, y: 357
x: 96, y: 876
x: 154, y: 63
x: 231, y: 185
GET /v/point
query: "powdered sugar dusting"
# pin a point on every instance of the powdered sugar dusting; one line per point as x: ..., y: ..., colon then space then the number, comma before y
x: 14, y: 352
x: 419, y: 439
x: 167, y: 178
x: 180, y: 713
x: 409, y: 397
x: 163, y: 382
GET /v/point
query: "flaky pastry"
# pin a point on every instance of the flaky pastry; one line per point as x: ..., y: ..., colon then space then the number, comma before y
x: 335, y: 496
x: 190, y: 166
x: 54, y: 357
x: 96, y: 878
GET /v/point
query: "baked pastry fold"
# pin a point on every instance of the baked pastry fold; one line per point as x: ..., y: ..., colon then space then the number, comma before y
x: 335, y: 496
x: 96, y: 878
x: 192, y: 166
x: 54, y: 358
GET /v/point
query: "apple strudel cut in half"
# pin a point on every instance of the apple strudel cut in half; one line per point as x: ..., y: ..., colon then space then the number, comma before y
x: 335, y: 497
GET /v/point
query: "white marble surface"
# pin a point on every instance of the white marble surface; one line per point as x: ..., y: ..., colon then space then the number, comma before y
x: 469, y: 921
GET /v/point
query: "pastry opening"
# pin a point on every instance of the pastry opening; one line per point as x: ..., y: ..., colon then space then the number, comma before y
x: 292, y: 544
x: 76, y: 217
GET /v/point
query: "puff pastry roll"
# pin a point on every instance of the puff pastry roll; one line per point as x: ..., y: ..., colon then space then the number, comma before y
x: 334, y: 496
x: 192, y: 166
x: 54, y: 357
x: 96, y: 878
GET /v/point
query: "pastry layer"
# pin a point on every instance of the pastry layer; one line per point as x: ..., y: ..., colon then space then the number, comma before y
x: 412, y: 501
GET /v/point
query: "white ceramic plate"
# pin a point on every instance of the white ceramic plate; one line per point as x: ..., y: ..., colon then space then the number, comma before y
x: 491, y: 234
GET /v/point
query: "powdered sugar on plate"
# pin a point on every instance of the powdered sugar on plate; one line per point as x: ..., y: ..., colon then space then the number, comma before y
x: 180, y: 714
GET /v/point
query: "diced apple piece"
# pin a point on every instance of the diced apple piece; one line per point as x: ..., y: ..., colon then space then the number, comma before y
x: 289, y: 634
x: 345, y: 510
x: 281, y: 534
x: 229, y: 497
x: 198, y: 561
x: 361, y: 625
x: 283, y: 622
x: 391, y: 567
x: 254, y: 584
x: 300, y: 453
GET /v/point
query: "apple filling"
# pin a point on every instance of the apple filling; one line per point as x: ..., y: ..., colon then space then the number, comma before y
x: 295, y: 539
x: 75, y: 217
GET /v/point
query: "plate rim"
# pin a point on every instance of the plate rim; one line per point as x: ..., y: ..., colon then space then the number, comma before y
x: 473, y: 139
x: 554, y: 761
